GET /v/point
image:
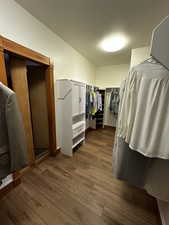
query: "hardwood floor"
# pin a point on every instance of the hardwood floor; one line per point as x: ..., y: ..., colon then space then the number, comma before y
x: 78, y: 191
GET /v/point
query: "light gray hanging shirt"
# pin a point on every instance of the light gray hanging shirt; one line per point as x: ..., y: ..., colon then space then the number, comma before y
x: 144, y: 115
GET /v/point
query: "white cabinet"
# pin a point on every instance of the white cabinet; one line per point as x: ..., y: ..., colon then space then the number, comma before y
x: 78, y: 98
x: 82, y: 92
x: 75, y: 99
x: 70, y: 114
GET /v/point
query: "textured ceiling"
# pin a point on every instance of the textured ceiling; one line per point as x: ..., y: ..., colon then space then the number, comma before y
x: 84, y: 23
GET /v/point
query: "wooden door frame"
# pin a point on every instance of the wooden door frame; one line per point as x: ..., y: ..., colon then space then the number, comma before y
x: 21, y: 51
x: 17, y: 49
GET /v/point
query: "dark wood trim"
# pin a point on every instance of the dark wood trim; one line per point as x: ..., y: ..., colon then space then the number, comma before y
x: 20, y: 86
x: 25, y: 170
x: 18, y: 49
x: 42, y: 158
x: 51, y: 108
x: 16, y: 181
x: 4, y: 191
x: 3, y: 76
x: 16, y: 178
x: 159, y: 221
x: 45, y: 156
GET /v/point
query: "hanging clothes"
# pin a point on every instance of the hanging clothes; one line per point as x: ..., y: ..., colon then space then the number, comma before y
x: 99, y: 102
x: 146, y: 101
x: 143, y: 121
x: 143, y: 172
x: 114, y: 101
x: 88, y: 102
x: 93, y: 102
x: 129, y: 165
x: 13, y: 156
x: 109, y: 118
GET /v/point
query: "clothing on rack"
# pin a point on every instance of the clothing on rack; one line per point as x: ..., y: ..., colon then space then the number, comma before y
x: 13, y: 155
x: 111, y: 106
x: 114, y: 101
x: 146, y: 100
x: 109, y: 118
x: 136, y: 169
x: 88, y: 102
x: 99, y: 102
x: 93, y: 101
x: 143, y: 120
x: 129, y: 165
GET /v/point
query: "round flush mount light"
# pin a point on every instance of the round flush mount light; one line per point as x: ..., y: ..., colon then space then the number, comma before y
x: 114, y: 43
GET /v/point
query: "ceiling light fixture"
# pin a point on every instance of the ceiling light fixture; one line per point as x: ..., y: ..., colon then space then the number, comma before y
x: 114, y: 43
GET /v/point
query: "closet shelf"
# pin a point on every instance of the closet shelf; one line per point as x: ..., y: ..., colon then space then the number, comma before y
x: 78, y: 128
x: 100, y: 114
x: 73, y: 123
x: 78, y: 124
x: 78, y: 114
x: 78, y: 142
x: 79, y: 133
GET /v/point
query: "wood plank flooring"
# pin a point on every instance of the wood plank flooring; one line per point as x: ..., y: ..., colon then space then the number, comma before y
x: 78, y: 191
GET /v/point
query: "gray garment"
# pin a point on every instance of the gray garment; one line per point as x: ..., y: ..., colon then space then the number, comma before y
x: 136, y: 169
x: 157, y: 182
x: 13, y: 154
x: 143, y: 118
x: 129, y: 165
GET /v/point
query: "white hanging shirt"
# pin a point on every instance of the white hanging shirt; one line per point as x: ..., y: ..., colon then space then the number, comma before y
x: 99, y: 101
x: 144, y: 115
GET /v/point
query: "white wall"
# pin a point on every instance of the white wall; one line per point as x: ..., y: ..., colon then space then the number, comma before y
x: 138, y: 55
x: 111, y: 76
x: 18, y: 25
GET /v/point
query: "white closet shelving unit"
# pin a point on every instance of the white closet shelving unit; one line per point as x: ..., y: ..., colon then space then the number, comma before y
x: 71, y: 98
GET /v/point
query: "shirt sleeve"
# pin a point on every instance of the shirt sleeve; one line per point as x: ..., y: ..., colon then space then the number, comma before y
x: 126, y: 106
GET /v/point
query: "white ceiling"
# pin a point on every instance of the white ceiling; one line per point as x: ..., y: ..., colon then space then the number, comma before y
x: 84, y: 23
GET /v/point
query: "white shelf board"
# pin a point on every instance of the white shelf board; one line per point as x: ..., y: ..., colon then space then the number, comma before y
x: 83, y: 131
x: 78, y: 142
x: 75, y: 125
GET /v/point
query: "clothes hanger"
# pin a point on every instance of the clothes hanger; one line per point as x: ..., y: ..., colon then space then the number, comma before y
x: 153, y: 60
